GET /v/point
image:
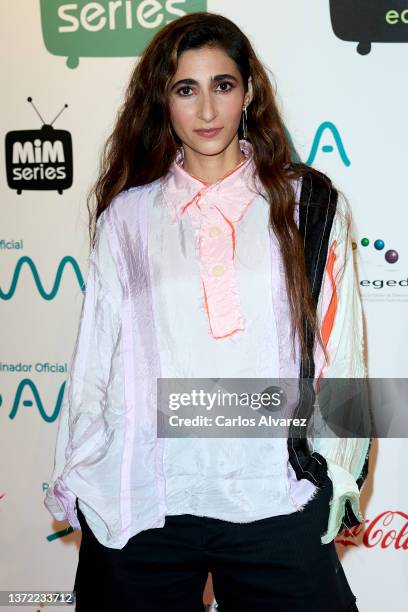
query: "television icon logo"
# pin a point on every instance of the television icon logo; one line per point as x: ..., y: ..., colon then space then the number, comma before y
x: 365, y: 21
x: 39, y: 160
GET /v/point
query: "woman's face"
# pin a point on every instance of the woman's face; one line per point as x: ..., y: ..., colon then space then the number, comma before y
x: 207, y: 92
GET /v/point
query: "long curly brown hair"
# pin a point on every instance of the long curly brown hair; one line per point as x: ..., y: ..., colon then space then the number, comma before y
x: 143, y: 144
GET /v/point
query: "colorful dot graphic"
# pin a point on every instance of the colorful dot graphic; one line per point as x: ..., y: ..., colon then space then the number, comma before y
x: 391, y: 256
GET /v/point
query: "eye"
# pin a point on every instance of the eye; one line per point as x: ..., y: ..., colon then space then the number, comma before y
x: 180, y: 89
x: 231, y: 85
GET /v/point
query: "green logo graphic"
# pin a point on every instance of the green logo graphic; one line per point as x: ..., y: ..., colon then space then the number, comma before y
x: 108, y: 28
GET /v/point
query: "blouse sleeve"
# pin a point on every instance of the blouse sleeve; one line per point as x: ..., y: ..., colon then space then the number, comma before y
x: 340, y: 317
x: 84, y: 396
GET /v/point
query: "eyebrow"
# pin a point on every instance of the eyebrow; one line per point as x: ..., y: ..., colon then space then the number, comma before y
x: 217, y: 77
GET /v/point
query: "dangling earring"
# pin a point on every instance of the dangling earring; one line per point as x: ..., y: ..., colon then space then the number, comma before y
x: 244, y: 122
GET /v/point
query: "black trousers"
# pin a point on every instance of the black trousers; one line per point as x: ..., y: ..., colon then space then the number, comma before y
x: 276, y: 564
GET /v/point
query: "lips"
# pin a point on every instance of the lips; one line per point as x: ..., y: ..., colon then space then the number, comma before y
x: 209, y: 132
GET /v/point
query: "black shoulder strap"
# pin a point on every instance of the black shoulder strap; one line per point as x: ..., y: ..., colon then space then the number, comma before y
x: 317, y: 207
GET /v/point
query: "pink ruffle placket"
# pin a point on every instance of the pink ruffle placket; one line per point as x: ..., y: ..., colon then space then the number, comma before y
x: 214, y: 211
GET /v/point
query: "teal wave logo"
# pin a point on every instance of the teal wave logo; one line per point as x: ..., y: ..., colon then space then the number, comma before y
x: 20, y: 405
x: 7, y: 294
x: 328, y: 126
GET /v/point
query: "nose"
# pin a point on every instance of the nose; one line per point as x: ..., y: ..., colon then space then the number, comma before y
x: 206, y: 108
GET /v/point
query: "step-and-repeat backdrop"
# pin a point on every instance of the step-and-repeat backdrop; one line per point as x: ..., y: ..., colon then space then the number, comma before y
x: 340, y: 72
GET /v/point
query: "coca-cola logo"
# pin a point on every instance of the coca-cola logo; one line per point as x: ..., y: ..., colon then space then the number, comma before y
x: 388, y: 529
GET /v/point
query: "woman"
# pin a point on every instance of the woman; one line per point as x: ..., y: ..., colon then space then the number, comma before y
x: 202, y: 267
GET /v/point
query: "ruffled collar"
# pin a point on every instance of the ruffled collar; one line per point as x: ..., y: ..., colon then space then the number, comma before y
x: 180, y: 187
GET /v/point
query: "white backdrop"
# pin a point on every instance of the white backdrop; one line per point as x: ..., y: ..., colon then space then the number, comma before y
x: 346, y: 113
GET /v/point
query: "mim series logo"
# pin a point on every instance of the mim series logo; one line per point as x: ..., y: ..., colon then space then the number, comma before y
x: 39, y: 160
x: 368, y: 21
x: 120, y: 28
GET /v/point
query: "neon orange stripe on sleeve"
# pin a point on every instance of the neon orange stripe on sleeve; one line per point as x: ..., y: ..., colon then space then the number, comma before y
x: 328, y: 321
